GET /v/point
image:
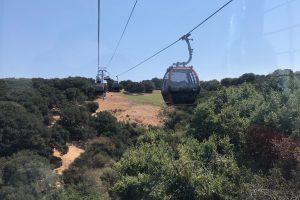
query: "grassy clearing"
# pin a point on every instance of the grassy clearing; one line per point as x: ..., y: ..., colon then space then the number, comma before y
x: 154, y: 99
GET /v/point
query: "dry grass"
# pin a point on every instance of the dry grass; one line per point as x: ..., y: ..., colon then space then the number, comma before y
x: 127, y: 109
x: 68, y: 158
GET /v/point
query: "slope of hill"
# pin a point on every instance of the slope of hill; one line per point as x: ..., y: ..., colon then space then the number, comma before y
x: 240, y: 141
x: 131, y: 108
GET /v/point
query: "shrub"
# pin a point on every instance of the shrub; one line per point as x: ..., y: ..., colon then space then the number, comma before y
x: 134, y: 87
x: 148, y: 86
x: 20, y: 129
x: 157, y: 83
x: 92, y: 106
x: 26, y: 175
x: 76, y: 119
x: 105, y: 124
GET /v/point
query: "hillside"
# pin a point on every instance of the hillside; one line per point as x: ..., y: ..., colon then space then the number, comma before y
x: 241, y: 141
x: 133, y: 108
x: 125, y: 108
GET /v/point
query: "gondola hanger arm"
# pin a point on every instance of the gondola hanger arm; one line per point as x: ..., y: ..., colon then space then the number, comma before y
x: 187, y: 40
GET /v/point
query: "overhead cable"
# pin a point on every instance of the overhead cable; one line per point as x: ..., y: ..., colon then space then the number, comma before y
x: 173, y: 43
x: 122, y: 35
x: 99, y: 33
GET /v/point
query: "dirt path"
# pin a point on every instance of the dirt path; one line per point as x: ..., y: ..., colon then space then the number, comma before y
x: 125, y: 110
x: 67, y: 158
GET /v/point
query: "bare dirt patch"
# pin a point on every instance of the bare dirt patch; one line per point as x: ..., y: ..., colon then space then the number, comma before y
x: 68, y: 158
x: 128, y: 111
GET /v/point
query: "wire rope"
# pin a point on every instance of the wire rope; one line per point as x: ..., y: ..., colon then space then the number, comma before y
x: 122, y: 35
x: 99, y: 25
x: 173, y: 43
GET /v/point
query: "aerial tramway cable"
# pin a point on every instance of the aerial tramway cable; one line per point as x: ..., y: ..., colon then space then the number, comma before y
x: 181, y: 38
x: 99, y: 87
x: 122, y: 35
x: 98, y: 65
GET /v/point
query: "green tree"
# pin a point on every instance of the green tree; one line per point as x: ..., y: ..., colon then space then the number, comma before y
x: 105, y: 123
x: 124, y: 84
x: 26, y: 176
x: 148, y: 86
x: 20, y: 129
x: 74, y: 94
x: 157, y: 83
x: 269, y: 186
x: 91, y: 106
x: 156, y: 169
x: 212, y: 85
x: 59, y: 138
x: 110, y: 83
x: 3, y: 87
x: 134, y: 87
x: 75, y: 119
x: 229, y: 112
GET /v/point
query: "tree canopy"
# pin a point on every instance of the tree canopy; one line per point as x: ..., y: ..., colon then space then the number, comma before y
x: 240, y: 142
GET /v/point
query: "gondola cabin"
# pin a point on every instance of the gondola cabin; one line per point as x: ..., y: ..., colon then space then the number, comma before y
x: 180, y: 86
x: 115, y: 86
x: 99, y: 87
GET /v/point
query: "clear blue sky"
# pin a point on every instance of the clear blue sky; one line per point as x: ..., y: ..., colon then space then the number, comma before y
x: 58, y: 38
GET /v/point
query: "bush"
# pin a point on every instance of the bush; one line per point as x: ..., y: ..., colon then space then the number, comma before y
x: 3, y: 87
x: 154, y: 169
x: 259, y: 153
x: 92, y: 106
x: 157, y: 83
x: 20, y: 129
x: 134, y: 87
x: 76, y: 119
x: 177, y: 118
x: 148, y: 86
x: 229, y: 112
x: 105, y: 124
x: 26, y: 176
x: 124, y: 84
x: 59, y: 138
x: 212, y: 85
x: 74, y: 94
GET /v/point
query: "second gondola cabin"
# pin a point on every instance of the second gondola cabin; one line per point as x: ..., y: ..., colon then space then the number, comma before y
x: 99, y: 87
x: 115, y: 86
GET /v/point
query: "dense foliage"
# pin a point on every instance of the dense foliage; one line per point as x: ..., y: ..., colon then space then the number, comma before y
x: 20, y: 129
x: 177, y: 167
x: 146, y: 86
x: 240, y: 142
x: 26, y: 175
